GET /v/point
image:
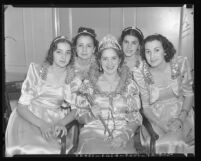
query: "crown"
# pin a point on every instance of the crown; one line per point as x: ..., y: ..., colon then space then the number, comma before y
x: 109, y: 41
x: 83, y: 30
x: 59, y: 38
x: 134, y: 28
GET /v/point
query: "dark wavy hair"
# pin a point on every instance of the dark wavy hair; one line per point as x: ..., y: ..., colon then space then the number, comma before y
x: 99, y: 55
x: 133, y: 32
x: 84, y: 31
x: 167, y: 46
x: 53, y: 47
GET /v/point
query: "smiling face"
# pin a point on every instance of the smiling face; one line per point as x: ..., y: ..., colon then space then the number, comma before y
x: 130, y: 45
x: 109, y: 61
x: 154, y: 53
x: 85, y: 47
x: 62, y: 55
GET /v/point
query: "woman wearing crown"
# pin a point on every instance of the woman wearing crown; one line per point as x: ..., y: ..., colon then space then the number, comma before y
x: 107, y: 103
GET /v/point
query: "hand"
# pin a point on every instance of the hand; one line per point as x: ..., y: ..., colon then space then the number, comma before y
x: 46, y: 130
x: 59, y: 128
x: 174, y: 124
x: 120, y: 140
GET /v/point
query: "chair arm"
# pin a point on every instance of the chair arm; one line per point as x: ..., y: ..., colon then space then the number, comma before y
x: 75, y: 127
x: 154, y: 136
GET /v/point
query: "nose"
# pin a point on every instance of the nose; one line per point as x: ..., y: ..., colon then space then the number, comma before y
x: 84, y: 49
x: 64, y: 56
x: 152, y: 55
x: 129, y: 45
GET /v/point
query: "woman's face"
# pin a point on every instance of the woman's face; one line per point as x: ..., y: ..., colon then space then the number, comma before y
x: 62, y: 55
x: 130, y: 45
x: 154, y: 53
x: 110, y: 61
x: 85, y: 47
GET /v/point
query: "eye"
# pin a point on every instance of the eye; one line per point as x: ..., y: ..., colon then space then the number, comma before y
x: 135, y: 43
x: 104, y: 59
x: 58, y: 52
x: 89, y: 46
x: 114, y: 58
x: 125, y: 42
x: 147, y: 52
x: 68, y: 52
x: 157, y: 50
x: 79, y: 45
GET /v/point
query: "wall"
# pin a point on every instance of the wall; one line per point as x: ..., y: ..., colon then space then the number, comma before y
x: 28, y: 33
x: 176, y: 23
x: 163, y: 20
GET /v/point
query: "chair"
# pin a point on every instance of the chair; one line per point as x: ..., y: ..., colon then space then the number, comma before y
x: 13, y: 92
x: 140, y: 149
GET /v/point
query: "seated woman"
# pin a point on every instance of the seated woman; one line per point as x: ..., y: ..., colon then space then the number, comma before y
x: 165, y: 84
x: 34, y: 125
x: 108, y: 104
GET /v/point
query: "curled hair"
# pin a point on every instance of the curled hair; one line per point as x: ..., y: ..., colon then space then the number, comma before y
x: 84, y: 31
x: 166, y: 44
x: 53, y: 47
x: 133, y: 31
x: 119, y: 53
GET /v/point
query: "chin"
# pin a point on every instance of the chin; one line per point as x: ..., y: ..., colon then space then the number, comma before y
x: 129, y: 55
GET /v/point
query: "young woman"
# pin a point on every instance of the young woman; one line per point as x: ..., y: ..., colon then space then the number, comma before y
x: 107, y: 103
x: 131, y: 41
x: 34, y: 125
x: 85, y: 47
x: 166, y: 87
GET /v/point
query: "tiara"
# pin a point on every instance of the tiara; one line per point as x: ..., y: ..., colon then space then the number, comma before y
x: 134, y: 28
x: 60, y: 38
x: 86, y: 32
x: 109, y: 41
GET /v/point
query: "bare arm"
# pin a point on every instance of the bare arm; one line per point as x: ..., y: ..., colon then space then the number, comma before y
x: 26, y: 114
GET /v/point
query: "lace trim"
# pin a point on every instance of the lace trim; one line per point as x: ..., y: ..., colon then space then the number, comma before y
x: 175, y: 72
x: 43, y: 71
x: 125, y: 78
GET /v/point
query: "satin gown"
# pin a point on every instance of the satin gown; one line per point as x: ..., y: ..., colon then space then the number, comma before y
x: 119, y: 110
x: 166, y: 103
x: 43, y: 100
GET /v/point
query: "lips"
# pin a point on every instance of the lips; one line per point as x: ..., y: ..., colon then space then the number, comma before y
x: 109, y: 68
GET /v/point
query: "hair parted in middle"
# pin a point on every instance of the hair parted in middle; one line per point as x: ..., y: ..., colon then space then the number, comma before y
x: 109, y: 42
x: 168, y: 47
x: 85, y: 31
x: 53, y: 47
x: 133, y: 31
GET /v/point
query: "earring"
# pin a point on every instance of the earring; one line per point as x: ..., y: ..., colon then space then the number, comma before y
x: 100, y: 68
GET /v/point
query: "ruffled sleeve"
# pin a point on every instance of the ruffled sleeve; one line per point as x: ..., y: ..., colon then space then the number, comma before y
x: 29, y: 86
x: 140, y: 81
x: 186, y: 78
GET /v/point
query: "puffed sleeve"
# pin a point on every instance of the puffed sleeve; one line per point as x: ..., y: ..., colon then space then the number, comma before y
x: 29, y: 86
x: 186, y: 77
x: 140, y: 81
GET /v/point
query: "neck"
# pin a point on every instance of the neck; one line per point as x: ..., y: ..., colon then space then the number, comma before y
x: 57, y: 69
x: 111, y: 77
x: 161, y: 67
x: 83, y: 62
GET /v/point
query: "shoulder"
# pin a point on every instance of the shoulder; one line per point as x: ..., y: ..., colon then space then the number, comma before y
x: 180, y: 60
x: 34, y: 67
